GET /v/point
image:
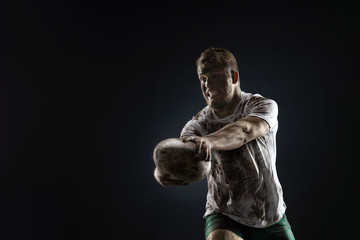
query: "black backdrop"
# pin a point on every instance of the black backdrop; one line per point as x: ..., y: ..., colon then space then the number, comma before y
x: 88, y: 90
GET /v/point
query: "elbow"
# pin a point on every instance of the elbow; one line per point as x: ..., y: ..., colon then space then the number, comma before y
x: 255, y: 127
x: 249, y: 132
x: 246, y: 132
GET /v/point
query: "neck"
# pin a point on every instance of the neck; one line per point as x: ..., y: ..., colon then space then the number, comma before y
x: 230, y: 107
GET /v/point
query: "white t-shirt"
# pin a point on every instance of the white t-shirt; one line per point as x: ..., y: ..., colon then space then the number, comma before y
x: 243, y: 183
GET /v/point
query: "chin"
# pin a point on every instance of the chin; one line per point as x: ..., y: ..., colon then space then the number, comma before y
x: 216, y: 105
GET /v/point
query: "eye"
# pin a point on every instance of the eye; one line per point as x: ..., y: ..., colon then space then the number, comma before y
x: 203, y: 79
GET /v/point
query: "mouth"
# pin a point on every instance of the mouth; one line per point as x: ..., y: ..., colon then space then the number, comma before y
x: 212, y: 93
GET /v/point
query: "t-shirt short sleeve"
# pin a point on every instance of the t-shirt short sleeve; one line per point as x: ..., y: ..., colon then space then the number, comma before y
x: 193, y: 127
x: 266, y: 109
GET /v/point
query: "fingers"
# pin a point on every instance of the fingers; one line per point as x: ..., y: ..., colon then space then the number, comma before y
x: 203, y: 146
x: 205, y: 149
x: 188, y: 139
x: 199, y: 141
x: 208, y: 154
x: 167, y: 181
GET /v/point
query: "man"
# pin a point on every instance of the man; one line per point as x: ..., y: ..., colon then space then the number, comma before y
x: 236, y: 132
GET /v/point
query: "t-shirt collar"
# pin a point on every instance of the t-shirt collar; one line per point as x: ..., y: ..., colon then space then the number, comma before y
x: 232, y: 115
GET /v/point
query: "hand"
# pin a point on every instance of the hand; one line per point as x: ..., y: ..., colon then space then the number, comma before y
x: 203, y: 145
x: 166, y: 181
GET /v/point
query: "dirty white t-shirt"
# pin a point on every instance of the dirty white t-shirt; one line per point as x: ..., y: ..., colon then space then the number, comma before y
x: 243, y: 183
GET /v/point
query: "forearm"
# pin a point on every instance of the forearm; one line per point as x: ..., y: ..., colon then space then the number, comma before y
x: 230, y: 137
x: 238, y: 133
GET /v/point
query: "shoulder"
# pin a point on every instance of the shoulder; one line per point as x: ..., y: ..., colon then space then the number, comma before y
x: 201, y: 114
x: 197, y: 125
x: 262, y: 107
x: 254, y: 97
x: 257, y: 100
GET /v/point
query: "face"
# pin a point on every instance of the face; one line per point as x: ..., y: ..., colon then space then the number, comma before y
x: 217, y: 87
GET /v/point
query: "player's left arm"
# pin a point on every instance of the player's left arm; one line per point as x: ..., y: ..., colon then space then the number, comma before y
x: 232, y: 136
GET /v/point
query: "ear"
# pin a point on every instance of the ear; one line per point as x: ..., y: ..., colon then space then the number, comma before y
x: 235, y: 76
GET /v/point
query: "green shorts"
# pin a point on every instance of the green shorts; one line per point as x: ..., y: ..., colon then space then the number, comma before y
x: 279, y: 231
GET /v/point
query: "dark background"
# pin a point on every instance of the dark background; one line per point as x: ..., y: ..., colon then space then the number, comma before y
x: 87, y: 90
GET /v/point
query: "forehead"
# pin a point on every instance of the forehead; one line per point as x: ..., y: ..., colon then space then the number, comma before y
x: 211, y: 71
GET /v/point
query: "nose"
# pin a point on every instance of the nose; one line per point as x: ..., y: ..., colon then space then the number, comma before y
x: 209, y: 82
